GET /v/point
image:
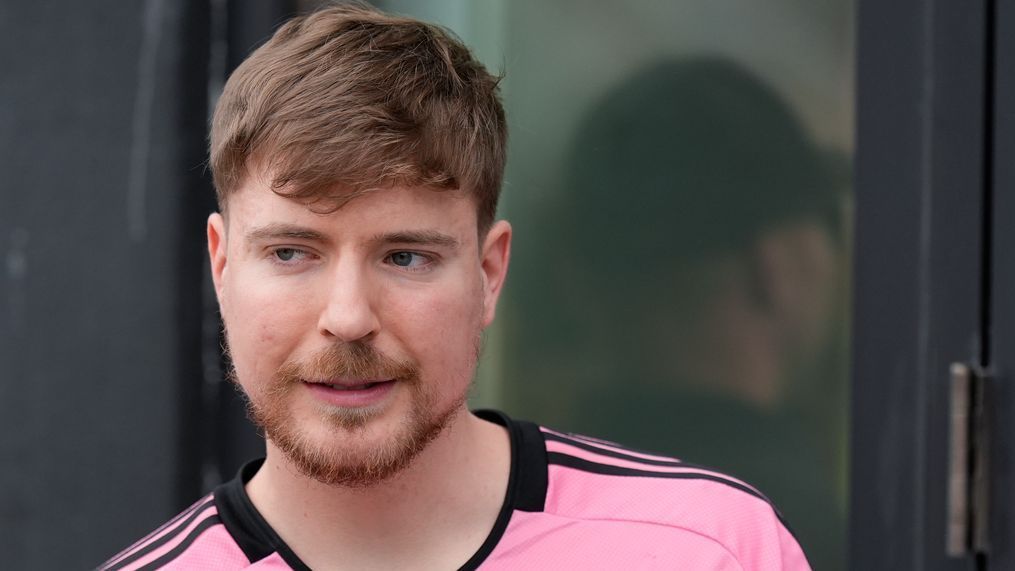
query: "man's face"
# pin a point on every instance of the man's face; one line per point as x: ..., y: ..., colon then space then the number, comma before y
x: 355, y: 333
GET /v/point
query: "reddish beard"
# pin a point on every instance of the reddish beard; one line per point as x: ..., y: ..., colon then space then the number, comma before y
x: 330, y: 460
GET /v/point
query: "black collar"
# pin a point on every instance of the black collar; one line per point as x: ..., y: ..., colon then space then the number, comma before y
x: 526, y: 492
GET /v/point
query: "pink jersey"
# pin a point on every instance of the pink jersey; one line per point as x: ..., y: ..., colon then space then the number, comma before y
x: 573, y: 503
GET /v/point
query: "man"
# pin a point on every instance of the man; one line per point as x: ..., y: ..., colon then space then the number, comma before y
x: 358, y: 158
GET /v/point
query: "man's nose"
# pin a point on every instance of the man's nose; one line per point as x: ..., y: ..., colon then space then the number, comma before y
x: 349, y: 314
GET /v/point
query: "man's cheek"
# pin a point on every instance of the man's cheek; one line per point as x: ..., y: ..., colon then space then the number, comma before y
x: 453, y: 309
x: 266, y: 335
x: 254, y: 336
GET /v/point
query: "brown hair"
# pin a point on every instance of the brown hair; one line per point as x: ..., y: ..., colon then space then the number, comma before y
x: 347, y: 99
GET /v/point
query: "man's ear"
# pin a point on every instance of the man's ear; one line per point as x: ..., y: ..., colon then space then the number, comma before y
x: 217, y: 250
x: 495, y: 255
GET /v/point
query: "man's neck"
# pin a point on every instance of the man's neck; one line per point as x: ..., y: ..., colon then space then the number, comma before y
x: 434, y: 514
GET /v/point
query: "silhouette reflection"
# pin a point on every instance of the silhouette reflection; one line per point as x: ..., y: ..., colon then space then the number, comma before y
x: 696, y: 266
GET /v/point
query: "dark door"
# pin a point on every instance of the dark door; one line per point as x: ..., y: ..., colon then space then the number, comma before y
x: 934, y: 333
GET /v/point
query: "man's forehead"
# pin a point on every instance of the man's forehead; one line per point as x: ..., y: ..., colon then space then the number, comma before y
x: 260, y: 184
x: 277, y: 231
x: 256, y: 211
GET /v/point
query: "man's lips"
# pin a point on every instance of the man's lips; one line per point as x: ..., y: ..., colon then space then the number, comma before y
x: 352, y: 393
x: 350, y: 384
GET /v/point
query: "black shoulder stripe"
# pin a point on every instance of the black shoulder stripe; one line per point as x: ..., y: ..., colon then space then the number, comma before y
x: 590, y: 447
x: 186, y: 543
x: 169, y: 536
x: 610, y: 470
x: 606, y: 443
x: 196, y: 507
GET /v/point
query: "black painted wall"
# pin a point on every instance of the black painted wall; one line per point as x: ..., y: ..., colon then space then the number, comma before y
x: 102, y: 119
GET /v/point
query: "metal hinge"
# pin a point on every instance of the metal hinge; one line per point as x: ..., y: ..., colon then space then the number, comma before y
x: 968, y: 505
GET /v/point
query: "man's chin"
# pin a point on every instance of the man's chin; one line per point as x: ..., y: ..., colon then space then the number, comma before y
x: 356, y: 448
x: 349, y: 470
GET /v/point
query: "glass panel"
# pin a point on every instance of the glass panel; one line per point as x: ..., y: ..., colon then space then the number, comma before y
x: 678, y: 183
x: 678, y: 186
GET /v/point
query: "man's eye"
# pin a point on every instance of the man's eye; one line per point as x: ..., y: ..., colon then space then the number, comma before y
x: 409, y: 260
x: 287, y: 254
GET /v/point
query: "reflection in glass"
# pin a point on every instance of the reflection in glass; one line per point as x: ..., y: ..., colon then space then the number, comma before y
x: 692, y: 271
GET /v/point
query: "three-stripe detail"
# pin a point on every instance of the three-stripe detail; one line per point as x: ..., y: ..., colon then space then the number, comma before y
x: 648, y: 463
x: 170, y: 533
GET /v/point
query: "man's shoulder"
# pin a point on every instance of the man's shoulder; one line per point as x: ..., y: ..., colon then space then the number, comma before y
x: 193, y: 539
x: 595, y: 480
x: 577, y: 461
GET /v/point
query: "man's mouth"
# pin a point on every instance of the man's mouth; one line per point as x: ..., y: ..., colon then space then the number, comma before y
x: 352, y: 393
x: 355, y: 386
x: 346, y: 393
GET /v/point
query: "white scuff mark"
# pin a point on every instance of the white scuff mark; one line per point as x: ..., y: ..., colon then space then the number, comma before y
x: 17, y: 270
x: 17, y: 262
x: 144, y: 98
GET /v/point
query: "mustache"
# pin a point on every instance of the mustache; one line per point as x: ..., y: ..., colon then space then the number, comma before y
x: 346, y: 360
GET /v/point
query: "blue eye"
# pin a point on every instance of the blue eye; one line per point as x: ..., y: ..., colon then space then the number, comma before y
x: 410, y: 261
x: 286, y: 254
x: 403, y: 259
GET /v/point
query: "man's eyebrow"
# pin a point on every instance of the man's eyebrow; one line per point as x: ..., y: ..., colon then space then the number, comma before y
x: 423, y: 237
x: 276, y: 231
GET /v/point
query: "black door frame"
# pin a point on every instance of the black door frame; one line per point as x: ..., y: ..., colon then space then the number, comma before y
x: 1001, y: 319
x: 930, y: 100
